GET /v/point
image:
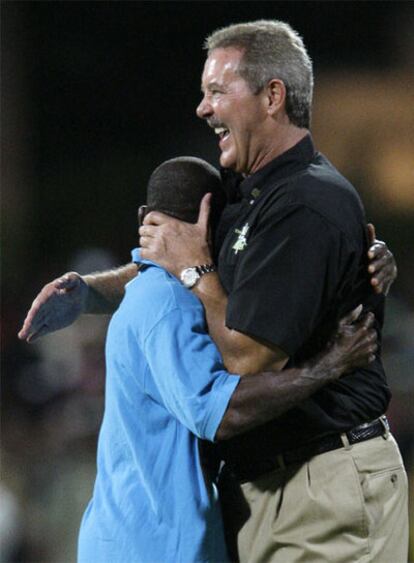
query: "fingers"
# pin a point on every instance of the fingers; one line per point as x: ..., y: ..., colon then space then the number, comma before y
x: 355, y: 345
x: 363, y: 345
x: 363, y: 325
x: 379, y: 262
x: 24, y: 331
x: 351, y: 317
x: 367, y: 321
x: 381, y: 285
x: 368, y: 354
x: 356, y: 325
x: 204, y: 214
x: 383, y: 274
x: 23, y: 334
x: 366, y: 334
x: 371, y: 345
x: 146, y: 248
x: 146, y: 238
x: 44, y: 329
x: 68, y: 282
x: 147, y: 231
x: 371, y: 233
x: 382, y: 267
x: 38, y: 320
x: 34, y: 313
x: 157, y: 218
x: 150, y: 243
x: 34, y: 320
x: 31, y: 326
x: 377, y: 249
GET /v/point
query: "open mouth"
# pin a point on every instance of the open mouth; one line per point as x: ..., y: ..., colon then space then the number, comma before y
x: 222, y: 132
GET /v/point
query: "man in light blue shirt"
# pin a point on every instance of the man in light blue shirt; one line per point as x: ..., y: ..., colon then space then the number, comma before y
x: 166, y: 385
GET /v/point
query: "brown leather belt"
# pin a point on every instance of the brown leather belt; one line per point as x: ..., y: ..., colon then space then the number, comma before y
x: 250, y: 471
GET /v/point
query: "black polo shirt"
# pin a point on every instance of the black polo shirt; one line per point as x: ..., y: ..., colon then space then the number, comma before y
x: 293, y: 261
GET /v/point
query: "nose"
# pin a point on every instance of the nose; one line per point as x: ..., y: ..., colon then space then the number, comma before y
x: 204, y: 109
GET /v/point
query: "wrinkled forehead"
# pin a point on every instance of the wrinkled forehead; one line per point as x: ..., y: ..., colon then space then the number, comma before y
x: 221, y: 64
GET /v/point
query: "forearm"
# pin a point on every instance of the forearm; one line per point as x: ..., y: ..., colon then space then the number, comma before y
x: 241, y: 354
x: 106, y: 289
x: 263, y: 397
x: 211, y: 293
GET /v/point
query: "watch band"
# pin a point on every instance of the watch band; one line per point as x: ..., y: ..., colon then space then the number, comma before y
x: 205, y: 269
x: 190, y: 276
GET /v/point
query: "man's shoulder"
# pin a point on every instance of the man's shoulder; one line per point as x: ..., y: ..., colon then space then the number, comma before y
x: 322, y: 189
x: 154, y: 294
x: 323, y: 185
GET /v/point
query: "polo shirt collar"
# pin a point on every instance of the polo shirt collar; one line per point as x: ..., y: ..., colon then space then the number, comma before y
x: 279, y: 168
x: 136, y: 257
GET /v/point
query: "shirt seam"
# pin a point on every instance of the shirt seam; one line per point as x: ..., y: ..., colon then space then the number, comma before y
x: 174, y: 309
x: 218, y: 408
x: 324, y: 219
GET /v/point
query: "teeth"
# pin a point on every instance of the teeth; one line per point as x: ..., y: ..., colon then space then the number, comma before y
x: 220, y: 130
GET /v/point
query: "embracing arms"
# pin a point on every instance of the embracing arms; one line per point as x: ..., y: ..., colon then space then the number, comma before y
x: 61, y: 301
x: 262, y: 397
x: 177, y: 245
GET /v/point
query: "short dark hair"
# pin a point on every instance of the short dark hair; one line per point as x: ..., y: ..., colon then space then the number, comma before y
x: 177, y: 186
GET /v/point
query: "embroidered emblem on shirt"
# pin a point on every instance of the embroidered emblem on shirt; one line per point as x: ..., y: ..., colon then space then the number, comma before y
x: 241, y: 241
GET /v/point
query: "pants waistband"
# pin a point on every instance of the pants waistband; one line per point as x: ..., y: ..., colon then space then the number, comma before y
x: 254, y: 469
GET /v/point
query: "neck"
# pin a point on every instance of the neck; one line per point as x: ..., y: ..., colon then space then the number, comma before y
x: 284, y: 138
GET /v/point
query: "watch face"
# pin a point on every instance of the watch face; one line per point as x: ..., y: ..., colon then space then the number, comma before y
x: 189, y: 277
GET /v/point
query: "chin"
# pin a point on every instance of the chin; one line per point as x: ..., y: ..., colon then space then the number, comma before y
x: 226, y: 161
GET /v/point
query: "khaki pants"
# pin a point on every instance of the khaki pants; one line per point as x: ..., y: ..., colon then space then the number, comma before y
x: 345, y: 505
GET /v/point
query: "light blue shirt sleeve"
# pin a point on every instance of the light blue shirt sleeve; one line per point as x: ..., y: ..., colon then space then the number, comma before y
x: 188, y: 372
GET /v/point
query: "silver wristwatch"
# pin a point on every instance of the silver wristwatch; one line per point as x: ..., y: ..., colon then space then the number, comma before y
x: 190, y: 276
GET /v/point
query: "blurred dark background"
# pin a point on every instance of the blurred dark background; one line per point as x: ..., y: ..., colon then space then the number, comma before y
x: 94, y: 96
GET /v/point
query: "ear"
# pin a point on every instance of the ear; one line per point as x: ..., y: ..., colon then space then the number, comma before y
x: 276, y: 96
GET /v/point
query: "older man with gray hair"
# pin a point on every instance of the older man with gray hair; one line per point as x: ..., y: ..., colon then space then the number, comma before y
x: 325, y: 481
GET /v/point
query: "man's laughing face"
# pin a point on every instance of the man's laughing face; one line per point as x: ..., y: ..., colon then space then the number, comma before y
x: 234, y: 112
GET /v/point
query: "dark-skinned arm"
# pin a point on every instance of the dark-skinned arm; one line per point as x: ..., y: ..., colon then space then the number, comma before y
x: 382, y: 266
x: 64, y: 299
x: 265, y: 396
x: 107, y: 289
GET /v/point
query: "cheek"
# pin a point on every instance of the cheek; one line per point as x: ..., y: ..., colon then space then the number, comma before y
x: 242, y: 135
